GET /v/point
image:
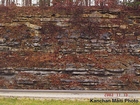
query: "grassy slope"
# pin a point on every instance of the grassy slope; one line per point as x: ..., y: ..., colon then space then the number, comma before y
x: 15, y: 101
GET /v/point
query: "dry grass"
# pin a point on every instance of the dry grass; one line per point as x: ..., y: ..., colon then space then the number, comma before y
x: 24, y: 101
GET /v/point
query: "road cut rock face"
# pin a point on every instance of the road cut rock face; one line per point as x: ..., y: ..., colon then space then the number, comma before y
x: 96, y: 50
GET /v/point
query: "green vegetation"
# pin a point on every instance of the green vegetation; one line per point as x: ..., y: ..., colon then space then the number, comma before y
x: 25, y: 101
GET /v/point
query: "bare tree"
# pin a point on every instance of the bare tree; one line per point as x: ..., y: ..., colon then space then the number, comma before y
x: 2, y: 2
x: 8, y: 2
x: 26, y: 2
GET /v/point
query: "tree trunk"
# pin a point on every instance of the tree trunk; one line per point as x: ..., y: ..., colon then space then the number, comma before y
x: 2, y: 2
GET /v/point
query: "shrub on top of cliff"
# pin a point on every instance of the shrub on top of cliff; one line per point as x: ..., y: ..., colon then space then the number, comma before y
x: 76, y: 17
x: 3, y: 9
x: 50, y: 28
x: 133, y: 4
x: 7, y: 14
x: 105, y: 5
x: 85, y: 25
x: 67, y: 7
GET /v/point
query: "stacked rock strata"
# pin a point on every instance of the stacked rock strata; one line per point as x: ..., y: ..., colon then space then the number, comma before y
x: 101, y: 52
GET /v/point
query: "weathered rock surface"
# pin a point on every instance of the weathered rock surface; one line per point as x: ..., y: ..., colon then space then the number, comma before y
x: 56, y: 54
